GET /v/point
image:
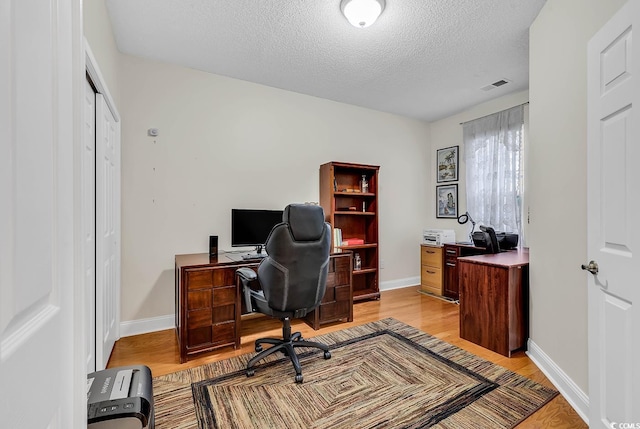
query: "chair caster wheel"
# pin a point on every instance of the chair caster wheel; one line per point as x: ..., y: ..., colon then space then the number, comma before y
x: 258, y: 348
x: 299, y: 378
x: 251, y: 373
x: 327, y: 355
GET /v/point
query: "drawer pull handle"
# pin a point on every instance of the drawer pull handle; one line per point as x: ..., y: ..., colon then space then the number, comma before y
x: 451, y: 252
x: 431, y: 272
x: 430, y: 251
x: 449, y: 264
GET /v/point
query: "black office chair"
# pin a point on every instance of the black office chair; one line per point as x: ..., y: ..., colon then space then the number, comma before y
x: 292, y: 279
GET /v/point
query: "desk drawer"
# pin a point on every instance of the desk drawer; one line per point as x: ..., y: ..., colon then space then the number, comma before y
x: 431, y: 276
x: 451, y: 251
x: 198, y: 278
x: 431, y: 256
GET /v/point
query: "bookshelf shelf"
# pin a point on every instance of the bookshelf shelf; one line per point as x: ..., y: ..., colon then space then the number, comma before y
x: 358, y: 246
x: 364, y: 271
x: 355, y: 215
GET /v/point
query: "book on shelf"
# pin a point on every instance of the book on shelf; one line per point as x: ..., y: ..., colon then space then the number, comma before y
x: 352, y: 241
x: 337, y: 237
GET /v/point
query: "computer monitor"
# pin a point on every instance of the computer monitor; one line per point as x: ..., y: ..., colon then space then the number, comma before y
x: 251, y: 227
x: 492, y: 242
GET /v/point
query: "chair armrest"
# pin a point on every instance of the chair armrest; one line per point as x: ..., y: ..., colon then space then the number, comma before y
x: 245, y: 275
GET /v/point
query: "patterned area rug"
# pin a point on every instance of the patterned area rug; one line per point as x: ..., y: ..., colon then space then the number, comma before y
x: 384, y: 374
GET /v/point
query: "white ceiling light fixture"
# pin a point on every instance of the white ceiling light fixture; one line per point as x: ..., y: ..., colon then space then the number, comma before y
x: 362, y: 13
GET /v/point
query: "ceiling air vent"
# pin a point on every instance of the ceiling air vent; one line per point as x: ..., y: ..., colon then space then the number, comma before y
x: 495, y: 85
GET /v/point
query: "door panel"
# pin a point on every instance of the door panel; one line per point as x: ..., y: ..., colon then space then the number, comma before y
x: 107, y: 231
x: 613, y: 232
x: 88, y: 221
x: 37, y: 309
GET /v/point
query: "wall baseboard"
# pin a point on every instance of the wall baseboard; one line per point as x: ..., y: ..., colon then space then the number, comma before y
x: 144, y: 326
x: 400, y: 283
x: 571, y: 392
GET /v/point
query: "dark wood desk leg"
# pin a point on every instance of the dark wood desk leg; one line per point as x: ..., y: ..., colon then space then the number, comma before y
x: 238, y: 328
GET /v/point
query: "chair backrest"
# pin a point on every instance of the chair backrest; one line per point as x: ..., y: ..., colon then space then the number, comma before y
x: 294, y: 275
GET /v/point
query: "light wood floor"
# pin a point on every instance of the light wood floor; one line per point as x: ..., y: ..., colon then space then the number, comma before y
x: 159, y: 350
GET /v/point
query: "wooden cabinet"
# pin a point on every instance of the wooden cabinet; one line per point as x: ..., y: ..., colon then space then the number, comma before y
x: 451, y: 254
x: 355, y: 213
x: 209, y: 303
x: 431, y: 269
x: 337, y: 303
x: 494, y: 300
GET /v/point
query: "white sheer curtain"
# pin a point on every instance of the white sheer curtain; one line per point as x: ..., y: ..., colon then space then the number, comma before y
x: 493, y: 147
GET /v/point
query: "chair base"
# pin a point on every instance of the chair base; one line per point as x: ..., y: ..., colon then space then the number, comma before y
x: 286, y: 345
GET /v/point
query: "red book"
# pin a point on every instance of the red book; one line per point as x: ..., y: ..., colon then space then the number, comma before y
x: 352, y: 241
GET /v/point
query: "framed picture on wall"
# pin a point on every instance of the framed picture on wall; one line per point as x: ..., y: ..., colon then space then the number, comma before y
x: 447, y: 201
x: 447, y: 160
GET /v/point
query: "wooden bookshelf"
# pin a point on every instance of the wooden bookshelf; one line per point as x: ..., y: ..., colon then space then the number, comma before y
x: 356, y: 214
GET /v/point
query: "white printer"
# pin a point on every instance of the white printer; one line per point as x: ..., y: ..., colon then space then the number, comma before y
x: 120, y: 398
x: 437, y: 237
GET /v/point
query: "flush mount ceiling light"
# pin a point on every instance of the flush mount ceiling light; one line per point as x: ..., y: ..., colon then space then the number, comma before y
x: 362, y: 13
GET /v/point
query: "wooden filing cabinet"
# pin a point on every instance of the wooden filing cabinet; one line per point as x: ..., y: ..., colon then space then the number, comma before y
x: 207, y: 304
x: 431, y: 272
x: 452, y: 252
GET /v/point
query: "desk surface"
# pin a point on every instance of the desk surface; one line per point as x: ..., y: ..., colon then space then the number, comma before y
x: 204, y: 260
x: 512, y: 258
x: 196, y: 260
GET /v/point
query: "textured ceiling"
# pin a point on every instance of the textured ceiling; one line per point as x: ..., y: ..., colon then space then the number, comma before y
x: 425, y: 59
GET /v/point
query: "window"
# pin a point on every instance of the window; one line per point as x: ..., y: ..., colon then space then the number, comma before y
x: 493, y: 147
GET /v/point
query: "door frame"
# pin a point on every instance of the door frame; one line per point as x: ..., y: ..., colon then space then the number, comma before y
x: 95, y: 76
x: 91, y: 66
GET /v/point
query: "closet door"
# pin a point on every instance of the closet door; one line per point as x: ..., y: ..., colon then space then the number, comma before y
x: 107, y: 231
x: 88, y: 185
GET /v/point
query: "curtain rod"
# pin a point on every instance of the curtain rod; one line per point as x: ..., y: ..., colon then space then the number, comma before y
x: 471, y: 120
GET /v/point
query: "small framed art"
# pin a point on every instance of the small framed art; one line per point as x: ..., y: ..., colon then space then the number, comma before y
x: 447, y: 201
x: 447, y: 160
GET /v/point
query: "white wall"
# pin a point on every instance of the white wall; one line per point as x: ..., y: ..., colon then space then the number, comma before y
x: 447, y: 132
x: 558, y: 179
x: 226, y: 143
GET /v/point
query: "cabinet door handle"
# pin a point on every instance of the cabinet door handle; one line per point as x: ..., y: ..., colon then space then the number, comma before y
x: 449, y: 264
x: 430, y: 251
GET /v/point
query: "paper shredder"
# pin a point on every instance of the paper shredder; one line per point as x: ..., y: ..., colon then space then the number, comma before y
x: 120, y: 398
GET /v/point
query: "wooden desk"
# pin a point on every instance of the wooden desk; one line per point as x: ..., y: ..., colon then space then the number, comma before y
x: 208, y: 304
x: 494, y: 300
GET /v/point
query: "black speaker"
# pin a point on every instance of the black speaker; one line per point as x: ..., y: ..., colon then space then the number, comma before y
x: 213, y: 245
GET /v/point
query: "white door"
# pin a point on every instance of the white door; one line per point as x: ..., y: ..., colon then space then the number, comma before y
x: 107, y: 231
x: 89, y: 221
x: 614, y: 221
x: 42, y: 377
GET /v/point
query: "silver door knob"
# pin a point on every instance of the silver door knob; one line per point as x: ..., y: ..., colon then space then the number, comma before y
x: 592, y: 267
